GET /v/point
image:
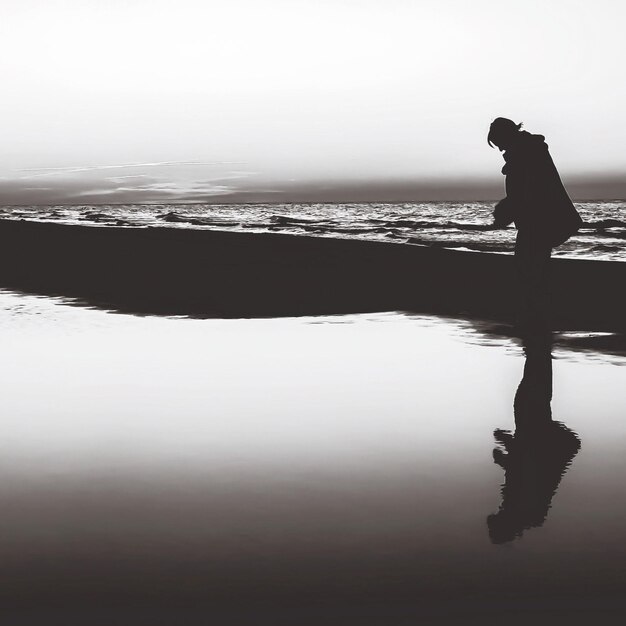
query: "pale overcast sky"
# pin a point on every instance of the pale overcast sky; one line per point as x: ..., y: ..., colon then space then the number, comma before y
x: 204, y: 98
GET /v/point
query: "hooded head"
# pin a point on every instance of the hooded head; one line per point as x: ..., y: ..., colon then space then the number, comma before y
x: 502, y: 133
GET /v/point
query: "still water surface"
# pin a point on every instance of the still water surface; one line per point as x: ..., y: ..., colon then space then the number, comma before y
x: 322, y: 470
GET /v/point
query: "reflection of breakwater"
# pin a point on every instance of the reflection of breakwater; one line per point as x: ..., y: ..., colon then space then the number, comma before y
x: 226, y: 274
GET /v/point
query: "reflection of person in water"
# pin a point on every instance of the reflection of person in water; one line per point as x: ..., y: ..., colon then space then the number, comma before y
x: 541, y: 209
x: 537, y: 455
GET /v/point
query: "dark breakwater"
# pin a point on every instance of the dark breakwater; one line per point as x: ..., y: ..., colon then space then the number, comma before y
x: 168, y: 271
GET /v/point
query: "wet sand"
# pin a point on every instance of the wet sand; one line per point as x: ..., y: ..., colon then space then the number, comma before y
x: 330, y: 470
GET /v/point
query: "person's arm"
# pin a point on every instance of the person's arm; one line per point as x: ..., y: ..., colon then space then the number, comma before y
x: 508, y: 209
x: 503, y: 213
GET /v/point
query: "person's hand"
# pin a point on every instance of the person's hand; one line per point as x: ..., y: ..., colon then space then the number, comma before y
x: 503, y: 214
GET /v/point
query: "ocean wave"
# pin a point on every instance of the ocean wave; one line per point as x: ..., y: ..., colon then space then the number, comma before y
x: 604, y: 248
x: 601, y: 224
x: 88, y: 216
x: 467, y: 245
x: 296, y: 221
x: 173, y: 217
x: 426, y: 225
x: 451, y: 225
x: 606, y: 234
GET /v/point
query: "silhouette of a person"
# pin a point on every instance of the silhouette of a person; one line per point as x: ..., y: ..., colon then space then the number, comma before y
x: 543, y: 213
x: 537, y: 455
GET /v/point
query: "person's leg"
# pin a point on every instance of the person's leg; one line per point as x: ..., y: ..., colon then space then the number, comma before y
x: 534, y: 394
x: 523, y: 258
x: 532, y: 255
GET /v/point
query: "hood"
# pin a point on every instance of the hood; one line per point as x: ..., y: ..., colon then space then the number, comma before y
x: 527, y: 138
x: 526, y: 141
x: 525, y: 146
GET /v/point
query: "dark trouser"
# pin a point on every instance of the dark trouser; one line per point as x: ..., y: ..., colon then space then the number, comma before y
x: 532, y: 400
x: 532, y: 259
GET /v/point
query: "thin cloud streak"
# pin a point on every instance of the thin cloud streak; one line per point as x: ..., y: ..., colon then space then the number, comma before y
x: 51, y: 171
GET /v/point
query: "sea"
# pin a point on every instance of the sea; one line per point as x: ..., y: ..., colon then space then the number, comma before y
x: 460, y: 225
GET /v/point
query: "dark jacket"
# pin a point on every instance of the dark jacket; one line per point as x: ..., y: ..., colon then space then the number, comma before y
x: 535, y: 197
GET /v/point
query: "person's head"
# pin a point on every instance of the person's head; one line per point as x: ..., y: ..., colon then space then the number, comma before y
x: 502, y: 133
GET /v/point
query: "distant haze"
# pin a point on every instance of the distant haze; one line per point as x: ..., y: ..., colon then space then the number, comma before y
x: 302, y: 100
